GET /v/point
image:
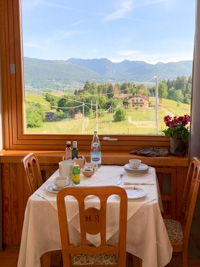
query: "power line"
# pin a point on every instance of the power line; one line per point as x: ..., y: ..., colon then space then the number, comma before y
x: 54, y: 106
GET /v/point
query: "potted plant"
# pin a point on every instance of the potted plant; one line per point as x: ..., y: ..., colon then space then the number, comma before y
x: 178, y: 131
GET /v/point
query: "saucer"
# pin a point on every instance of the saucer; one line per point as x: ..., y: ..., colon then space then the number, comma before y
x: 143, y: 168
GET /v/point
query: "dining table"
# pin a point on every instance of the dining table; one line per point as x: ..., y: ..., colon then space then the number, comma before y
x: 147, y: 237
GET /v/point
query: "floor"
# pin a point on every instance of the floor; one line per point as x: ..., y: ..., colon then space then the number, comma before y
x: 8, y: 258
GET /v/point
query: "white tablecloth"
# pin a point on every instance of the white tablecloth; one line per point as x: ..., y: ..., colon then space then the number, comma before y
x: 146, y: 234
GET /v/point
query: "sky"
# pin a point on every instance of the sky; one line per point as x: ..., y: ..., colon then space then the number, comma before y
x: 143, y: 30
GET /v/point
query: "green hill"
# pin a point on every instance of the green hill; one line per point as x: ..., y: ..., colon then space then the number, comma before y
x: 59, y: 74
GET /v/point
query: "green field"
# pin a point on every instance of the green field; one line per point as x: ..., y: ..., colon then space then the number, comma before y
x: 171, y: 106
x: 141, y: 121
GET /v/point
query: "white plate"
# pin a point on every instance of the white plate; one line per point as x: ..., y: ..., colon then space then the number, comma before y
x: 143, y: 168
x: 134, y: 192
x: 53, y: 189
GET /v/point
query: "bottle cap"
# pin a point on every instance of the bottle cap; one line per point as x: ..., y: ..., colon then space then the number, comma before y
x: 68, y: 142
x: 95, y: 132
x: 76, y: 166
x: 74, y: 144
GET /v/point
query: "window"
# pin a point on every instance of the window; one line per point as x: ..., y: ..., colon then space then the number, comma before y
x: 16, y: 132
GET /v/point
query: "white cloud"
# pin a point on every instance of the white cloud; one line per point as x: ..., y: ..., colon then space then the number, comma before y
x: 152, y: 58
x: 125, y: 7
x: 128, y: 5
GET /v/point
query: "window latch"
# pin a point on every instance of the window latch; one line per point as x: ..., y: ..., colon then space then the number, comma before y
x: 12, y: 68
x: 107, y: 138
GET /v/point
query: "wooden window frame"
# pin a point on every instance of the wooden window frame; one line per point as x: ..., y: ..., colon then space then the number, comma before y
x: 13, y: 99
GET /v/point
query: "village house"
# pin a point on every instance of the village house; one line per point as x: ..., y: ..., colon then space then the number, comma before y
x: 49, y: 116
x: 140, y: 101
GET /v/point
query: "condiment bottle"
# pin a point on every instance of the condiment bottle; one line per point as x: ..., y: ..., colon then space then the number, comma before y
x: 74, y: 150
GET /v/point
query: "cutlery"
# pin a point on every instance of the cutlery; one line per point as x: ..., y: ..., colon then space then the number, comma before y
x: 129, y: 183
x: 120, y: 179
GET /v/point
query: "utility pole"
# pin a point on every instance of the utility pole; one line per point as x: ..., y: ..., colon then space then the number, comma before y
x: 156, y: 101
x: 83, y: 123
x: 96, y: 116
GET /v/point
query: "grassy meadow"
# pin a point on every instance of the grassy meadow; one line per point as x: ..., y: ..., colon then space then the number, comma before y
x: 141, y: 121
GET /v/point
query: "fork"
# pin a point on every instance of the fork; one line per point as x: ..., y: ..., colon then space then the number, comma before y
x: 120, y: 179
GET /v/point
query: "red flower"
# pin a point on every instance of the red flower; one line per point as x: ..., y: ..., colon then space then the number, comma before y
x: 182, y: 120
x: 167, y: 118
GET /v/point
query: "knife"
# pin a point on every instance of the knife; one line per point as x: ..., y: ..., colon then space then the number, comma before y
x: 120, y: 179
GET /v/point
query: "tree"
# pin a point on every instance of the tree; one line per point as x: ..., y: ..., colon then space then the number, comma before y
x: 171, y: 92
x: 181, y: 83
x: 120, y: 115
x: 94, y: 89
x: 162, y: 90
x: 89, y: 113
x: 34, y: 115
x: 178, y: 95
x: 59, y: 114
x: 87, y: 86
x: 188, y: 93
x: 53, y: 100
x: 110, y: 91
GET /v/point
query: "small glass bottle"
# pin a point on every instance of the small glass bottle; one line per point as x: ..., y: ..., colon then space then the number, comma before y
x: 76, y: 174
x: 95, y: 153
x: 68, y: 151
x: 74, y: 150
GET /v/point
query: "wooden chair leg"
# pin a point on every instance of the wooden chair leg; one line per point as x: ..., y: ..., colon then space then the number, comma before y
x: 137, y: 262
x: 185, y: 259
x: 46, y: 260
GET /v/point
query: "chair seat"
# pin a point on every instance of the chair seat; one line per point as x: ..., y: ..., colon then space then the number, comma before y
x: 103, y: 259
x: 174, y: 230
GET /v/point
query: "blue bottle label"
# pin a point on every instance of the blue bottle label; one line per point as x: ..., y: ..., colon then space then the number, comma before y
x: 96, y: 157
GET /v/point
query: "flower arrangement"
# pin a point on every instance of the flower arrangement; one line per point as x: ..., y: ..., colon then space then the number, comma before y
x: 177, y: 127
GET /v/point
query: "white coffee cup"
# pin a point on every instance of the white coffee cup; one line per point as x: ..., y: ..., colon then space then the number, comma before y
x: 61, y: 181
x: 65, y: 169
x: 135, y: 163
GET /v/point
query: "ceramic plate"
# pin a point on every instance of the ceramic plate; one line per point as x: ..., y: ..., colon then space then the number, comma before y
x: 134, y: 192
x: 53, y: 189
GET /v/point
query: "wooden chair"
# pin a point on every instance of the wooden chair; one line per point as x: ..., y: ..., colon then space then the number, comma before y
x: 32, y: 171
x: 34, y: 180
x: 93, y: 221
x: 179, y: 230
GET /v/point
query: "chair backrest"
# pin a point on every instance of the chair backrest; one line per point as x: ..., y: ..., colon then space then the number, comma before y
x: 190, y: 196
x: 32, y: 171
x: 93, y: 221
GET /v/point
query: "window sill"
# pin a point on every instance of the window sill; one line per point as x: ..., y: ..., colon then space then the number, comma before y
x: 108, y: 158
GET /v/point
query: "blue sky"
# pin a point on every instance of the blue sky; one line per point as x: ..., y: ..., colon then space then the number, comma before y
x: 148, y: 30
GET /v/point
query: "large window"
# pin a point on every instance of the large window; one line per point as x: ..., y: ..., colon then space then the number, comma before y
x: 86, y: 61
x: 71, y: 67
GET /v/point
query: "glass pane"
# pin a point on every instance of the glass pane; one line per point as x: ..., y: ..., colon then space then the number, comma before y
x: 93, y: 65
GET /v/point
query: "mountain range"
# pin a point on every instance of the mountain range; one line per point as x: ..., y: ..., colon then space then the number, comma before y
x: 57, y: 74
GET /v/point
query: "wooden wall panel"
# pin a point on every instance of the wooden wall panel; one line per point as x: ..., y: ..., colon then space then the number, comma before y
x: 14, y: 199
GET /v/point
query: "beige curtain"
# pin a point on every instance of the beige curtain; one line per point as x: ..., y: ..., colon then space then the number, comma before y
x: 194, y: 148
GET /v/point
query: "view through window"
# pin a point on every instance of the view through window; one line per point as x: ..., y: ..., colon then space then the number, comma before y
x: 93, y: 65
